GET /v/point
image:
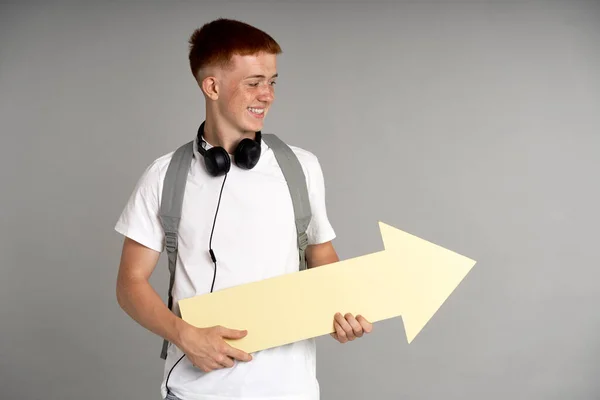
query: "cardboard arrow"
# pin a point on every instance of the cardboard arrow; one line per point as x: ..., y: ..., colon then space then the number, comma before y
x: 411, y: 278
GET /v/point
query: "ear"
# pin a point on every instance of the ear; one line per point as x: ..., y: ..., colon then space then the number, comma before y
x: 210, y: 87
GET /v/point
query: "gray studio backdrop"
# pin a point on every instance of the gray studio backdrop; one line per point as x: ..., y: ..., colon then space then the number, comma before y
x: 472, y: 124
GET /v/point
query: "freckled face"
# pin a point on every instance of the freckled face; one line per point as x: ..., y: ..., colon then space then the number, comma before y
x: 248, y: 91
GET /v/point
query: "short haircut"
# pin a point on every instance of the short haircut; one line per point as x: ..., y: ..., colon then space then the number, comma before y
x: 216, y: 42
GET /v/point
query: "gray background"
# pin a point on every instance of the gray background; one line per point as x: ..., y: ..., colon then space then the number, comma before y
x: 473, y: 124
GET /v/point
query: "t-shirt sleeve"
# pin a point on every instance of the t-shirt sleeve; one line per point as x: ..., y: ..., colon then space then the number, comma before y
x: 139, y: 219
x: 320, y: 229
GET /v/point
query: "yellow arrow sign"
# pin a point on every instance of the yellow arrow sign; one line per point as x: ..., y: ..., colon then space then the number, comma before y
x: 411, y: 278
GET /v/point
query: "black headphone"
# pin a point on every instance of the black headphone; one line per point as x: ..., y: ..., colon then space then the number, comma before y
x: 217, y: 160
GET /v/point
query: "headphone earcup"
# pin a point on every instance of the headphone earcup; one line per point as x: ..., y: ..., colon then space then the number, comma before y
x: 217, y: 161
x: 247, y: 154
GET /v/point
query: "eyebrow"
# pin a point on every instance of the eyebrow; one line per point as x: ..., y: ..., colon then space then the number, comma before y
x: 260, y: 76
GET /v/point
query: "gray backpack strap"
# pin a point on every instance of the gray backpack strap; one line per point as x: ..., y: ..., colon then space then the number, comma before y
x: 294, y: 175
x: 170, y: 211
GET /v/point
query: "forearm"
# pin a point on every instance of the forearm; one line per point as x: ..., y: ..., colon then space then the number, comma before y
x: 141, y: 302
x: 321, y: 254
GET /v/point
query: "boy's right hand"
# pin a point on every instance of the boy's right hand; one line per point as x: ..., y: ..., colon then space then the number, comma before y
x: 207, y: 349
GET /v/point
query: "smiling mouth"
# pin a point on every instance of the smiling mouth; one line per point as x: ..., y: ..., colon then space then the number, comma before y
x: 257, y: 112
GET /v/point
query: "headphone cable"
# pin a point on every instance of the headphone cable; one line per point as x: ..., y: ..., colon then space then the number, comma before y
x: 214, y: 259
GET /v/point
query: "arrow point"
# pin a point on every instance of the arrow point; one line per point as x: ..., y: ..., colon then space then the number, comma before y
x: 430, y: 274
x: 387, y: 232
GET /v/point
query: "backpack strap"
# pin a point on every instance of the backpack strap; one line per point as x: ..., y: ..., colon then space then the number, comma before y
x: 294, y: 175
x: 174, y: 189
x: 170, y: 211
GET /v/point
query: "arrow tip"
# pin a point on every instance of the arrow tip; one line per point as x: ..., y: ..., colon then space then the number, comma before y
x: 430, y: 274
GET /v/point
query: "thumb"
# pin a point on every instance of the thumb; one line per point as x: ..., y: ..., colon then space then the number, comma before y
x: 232, y: 333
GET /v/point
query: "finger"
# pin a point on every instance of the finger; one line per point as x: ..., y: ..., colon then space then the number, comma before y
x: 366, y: 325
x: 339, y: 334
x: 224, y: 361
x: 348, y: 321
x: 236, y: 353
x: 356, y: 326
x: 208, y: 366
x: 334, y: 333
x: 232, y: 333
x: 347, y: 329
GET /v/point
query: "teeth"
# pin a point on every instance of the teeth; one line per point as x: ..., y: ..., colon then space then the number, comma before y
x: 256, y: 110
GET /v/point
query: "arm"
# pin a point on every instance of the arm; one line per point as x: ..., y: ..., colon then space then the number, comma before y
x: 204, y: 347
x: 347, y: 327
x: 321, y: 254
x: 138, y: 298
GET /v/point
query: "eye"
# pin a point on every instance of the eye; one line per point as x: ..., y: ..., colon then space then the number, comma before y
x: 253, y: 84
x: 273, y: 83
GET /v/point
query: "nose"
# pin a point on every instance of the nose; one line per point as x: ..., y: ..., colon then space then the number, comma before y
x: 267, y: 95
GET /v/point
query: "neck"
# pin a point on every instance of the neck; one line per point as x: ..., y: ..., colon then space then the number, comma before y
x: 218, y: 133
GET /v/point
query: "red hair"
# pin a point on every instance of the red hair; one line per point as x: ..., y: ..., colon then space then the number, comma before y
x: 215, y: 42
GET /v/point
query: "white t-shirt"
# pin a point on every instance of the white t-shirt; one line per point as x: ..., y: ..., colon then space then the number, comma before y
x: 254, y: 238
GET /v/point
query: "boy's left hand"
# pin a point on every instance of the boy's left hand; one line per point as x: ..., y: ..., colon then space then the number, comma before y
x: 348, y: 328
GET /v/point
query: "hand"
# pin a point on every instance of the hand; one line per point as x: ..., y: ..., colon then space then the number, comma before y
x: 348, y: 328
x: 207, y: 349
